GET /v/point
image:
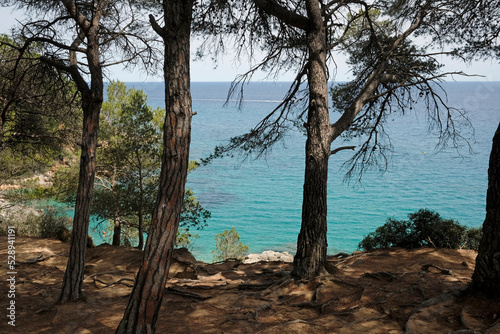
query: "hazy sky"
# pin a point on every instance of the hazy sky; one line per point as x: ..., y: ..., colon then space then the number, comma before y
x: 228, y: 68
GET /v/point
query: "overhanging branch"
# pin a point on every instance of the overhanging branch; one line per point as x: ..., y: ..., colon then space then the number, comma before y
x: 341, y: 149
x: 273, y: 8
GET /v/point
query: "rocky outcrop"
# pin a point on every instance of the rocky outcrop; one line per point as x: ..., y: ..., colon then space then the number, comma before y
x: 15, y: 212
x: 269, y: 256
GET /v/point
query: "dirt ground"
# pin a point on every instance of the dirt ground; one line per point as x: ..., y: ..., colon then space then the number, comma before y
x: 387, y: 292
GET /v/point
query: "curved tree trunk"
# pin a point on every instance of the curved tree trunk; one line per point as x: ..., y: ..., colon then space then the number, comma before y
x: 312, y: 244
x: 486, y: 276
x: 145, y: 301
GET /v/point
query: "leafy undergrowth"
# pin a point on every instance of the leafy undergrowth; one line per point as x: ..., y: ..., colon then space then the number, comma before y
x: 383, y: 291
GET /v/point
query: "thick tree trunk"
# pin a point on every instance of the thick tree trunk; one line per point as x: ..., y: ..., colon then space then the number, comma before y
x: 145, y: 301
x: 312, y: 243
x: 73, y: 278
x: 486, y: 276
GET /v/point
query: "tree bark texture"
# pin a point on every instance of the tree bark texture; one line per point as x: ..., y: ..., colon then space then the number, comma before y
x: 312, y: 242
x: 91, y: 104
x: 117, y: 231
x: 486, y: 276
x: 145, y: 301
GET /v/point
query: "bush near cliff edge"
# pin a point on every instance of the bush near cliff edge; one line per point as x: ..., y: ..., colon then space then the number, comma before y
x: 424, y: 228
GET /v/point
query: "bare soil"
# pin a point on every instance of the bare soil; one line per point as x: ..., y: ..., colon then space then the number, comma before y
x: 387, y: 292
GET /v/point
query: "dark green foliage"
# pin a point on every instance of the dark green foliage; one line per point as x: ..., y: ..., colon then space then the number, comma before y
x: 394, y: 233
x: 472, y: 237
x: 432, y: 230
x: 39, y: 114
x: 423, y: 228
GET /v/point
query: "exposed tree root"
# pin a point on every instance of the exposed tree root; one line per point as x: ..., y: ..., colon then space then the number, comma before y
x: 382, y: 274
x: 38, y: 258
x: 255, y: 287
x: 341, y: 255
x: 123, y: 281
x: 129, y: 282
x: 268, y: 306
x: 443, y: 271
x: 186, y: 293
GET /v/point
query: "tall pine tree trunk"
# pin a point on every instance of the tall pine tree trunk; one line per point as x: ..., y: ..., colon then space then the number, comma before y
x: 486, y: 276
x: 312, y: 244
x: 145, y: 301
x: 73, y: 278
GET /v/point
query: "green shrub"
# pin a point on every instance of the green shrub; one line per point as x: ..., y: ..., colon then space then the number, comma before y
x: 472, y: 238
x: 55, y: 225
x: 27, y: 227
x: 424, y: 228
x: 50, y: 224
x: 228, y: 246
x: 432, y: 230
x: 394, y: 233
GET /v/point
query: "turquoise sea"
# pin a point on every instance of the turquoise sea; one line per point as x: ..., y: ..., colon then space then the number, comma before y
x: 262, y: 198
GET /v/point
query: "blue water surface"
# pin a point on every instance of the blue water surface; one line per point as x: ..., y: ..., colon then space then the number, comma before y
x: 262, y: 198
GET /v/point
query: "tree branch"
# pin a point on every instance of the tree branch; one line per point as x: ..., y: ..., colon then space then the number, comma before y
x: 156, y: 27
x: 273, y: 8
x: 75, y: 13
x: 341, y: 149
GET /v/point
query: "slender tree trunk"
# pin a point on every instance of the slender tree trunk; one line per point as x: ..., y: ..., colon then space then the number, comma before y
x: 3, y: 118
x: 145, y: 301
x: 73, y: 278
x: 117, y: 231
x: 312, y: 243
x: 2, y: 122
x: 140, y: 245
x: 141, y: 205
x: 486, y: 276
x: 5, y: 105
